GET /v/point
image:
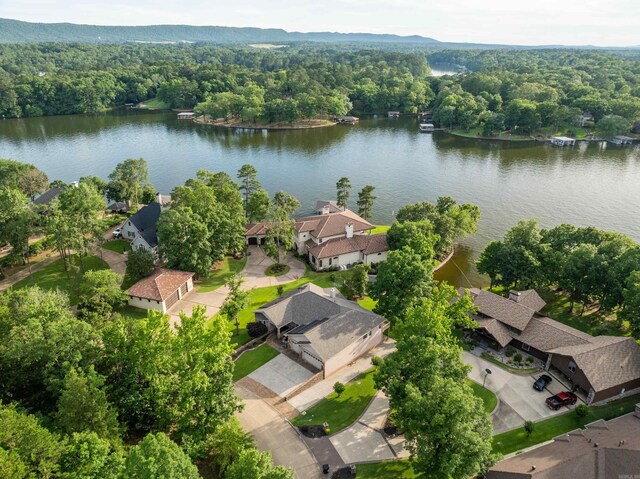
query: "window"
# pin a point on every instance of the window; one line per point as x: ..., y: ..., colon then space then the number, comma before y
x: 572, y: 366
x: 364, y: 337
x: 320, y: 263
x: 330, y: 261
x: 320, y: 240
x: 525, y: 347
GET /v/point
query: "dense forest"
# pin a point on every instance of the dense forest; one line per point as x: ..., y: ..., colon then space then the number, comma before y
x: 518, y: 90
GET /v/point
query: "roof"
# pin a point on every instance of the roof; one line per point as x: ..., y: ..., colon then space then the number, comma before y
x: 606, y: 361
x: 507, y: 311
x: 545, y: 334
x: 118, y: 206
x: 146, y: 220
x: 161, y: 284
x: 496, y: 329
x: 367, y: 244
x: 333, y: 206
x: 330, y: 336
x: 576, y: 455
x: 48, y: 196
x: 320, y: 226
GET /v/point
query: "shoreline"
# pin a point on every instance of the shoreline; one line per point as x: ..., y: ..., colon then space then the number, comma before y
x: 445, y: 261
x: 271, y: 127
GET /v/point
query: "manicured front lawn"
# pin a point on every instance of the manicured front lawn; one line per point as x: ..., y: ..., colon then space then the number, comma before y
x: 380, y: 229
x: 155, y: 104
x: 341, y: 411
x: 118, y: 245
x: 367, y: 303
x: 249, y: 361
x: 220, y: 276
x: 53, y: 276
x: 489, y: 399
x: 517, y: 439
x: 400, y: 469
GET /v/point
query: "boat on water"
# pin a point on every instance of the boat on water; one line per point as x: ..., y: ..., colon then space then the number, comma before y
x: 426, y: 127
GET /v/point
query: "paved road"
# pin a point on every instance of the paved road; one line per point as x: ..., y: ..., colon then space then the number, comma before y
x: 274, y: 434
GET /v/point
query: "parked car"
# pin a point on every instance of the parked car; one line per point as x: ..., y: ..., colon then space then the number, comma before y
x: 117, y: 233
x: 561, y: 399
x: 542, y: 382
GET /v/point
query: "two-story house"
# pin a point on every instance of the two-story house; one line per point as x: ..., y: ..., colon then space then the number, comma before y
x: 140, y: 228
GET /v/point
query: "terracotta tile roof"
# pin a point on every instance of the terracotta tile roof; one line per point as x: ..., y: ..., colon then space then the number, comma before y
x: 368, y: 244
x: 323, y: 226
x: 255, y: 229
x: 574, y: 454
x: 160, y: 285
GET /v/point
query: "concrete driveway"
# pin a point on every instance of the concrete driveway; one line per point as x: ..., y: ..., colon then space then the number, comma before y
x: 281, y: 375
x: 518, y: 401
x: 258, y: 262
x: 212, y: 301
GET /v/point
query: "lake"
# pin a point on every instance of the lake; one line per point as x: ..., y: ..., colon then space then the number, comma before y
x: 589, y: 184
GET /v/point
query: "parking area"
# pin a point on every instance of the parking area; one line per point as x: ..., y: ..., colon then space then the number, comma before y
x: 518, y: 401
x: 212, y: 301
x: 281, y: 375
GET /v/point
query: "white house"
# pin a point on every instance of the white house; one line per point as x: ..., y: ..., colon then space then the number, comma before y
x: 160, y: 290
x: 140, y: 228
x: 332, y: 239
x: 324, y: 329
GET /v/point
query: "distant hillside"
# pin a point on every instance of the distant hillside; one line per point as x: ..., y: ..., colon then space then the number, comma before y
x: 14, y: 31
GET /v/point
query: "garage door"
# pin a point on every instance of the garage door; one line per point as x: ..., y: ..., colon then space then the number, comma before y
x: 183, y: 290
x: 171, y: 300
x: 315, y: 362
x: 253, y: 241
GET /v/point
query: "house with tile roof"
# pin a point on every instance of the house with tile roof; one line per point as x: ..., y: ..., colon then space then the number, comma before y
x: 599, y: 368
x: 334, y: 238
x: 161, y: 290
x: 602, y: 450
x: 324, y: 328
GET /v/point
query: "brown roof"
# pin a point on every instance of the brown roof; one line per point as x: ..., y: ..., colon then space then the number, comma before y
x: 545, y: 334
x: 606, y: 361
x: 531, y: 299
x: 160, y: 285
x: 333, y: 224
x: 368, y: 244
x: 496, y: 329
x: 505, y: 310
x: 253, y: 229
x: 576, y: 455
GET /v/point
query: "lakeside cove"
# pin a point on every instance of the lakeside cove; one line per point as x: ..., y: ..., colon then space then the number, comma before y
x: 586, y: 184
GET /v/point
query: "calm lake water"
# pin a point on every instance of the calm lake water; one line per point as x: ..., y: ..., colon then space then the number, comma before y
x: 585, y: 185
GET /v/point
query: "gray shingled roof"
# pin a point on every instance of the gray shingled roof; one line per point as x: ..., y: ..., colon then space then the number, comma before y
x: 48, y: 196
x: 146, y: 221
x: 496, y: 329
x: 545, y: 334
x: 327, y: 338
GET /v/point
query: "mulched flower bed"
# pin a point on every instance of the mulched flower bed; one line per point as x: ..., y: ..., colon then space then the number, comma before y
x: 390, y: 429
x: 343, y: 473
x: 312, y: 431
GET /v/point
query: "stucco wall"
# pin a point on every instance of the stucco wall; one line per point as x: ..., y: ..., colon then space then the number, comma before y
x: 146, y: 304
x: 375, y: 258
x: 353, y: 351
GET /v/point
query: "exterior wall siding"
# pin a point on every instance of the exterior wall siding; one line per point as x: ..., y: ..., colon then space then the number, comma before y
x: 129, y: 231
x: 615, y: 391
x: 353, y: 351
x: 578, y: 378
x: 147, y: 304
x: 375, y: 257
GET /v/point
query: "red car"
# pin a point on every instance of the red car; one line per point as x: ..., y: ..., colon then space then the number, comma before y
x: 561, y: 399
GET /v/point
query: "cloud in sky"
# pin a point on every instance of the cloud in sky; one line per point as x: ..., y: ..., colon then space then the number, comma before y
x: 525, y: 22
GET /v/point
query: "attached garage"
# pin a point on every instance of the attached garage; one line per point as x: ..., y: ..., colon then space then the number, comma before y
x: 253, y: 241
x: 311, y: 359
x: 161, y: 290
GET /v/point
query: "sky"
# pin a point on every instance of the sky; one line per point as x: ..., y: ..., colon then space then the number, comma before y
x: 515, y: 22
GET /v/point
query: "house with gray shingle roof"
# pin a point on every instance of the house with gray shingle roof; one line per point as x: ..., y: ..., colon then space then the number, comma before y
x: 600, y: 367
x: 325, y: 329
x: 333, y: 238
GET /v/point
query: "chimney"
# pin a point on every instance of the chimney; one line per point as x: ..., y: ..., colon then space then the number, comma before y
x: 325, y: 210
x: 514, y: 295
x: 158, y: 197
x: 349, y: 230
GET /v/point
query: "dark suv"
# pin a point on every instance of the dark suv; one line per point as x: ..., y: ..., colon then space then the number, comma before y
x: 541, y: 383
x: 561, y: 399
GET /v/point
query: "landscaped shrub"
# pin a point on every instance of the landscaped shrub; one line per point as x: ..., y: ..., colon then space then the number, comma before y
x: 529, y: 426
x: 529, y: 360
x: 582, y: 410
x: 10, y: 260
x: 339, y: 388
x: 517, y: 357
x: 256, y: 329
x: 376, y: 361
x: 509, y: 352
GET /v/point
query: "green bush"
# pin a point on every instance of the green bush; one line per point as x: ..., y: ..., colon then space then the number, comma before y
x: 529, y: 360
x: 582, y: 410
x: 376, y: 361
x: 339, y: 388
x: 517, y: 357
x: 509, y: 352
x: 529, y: 427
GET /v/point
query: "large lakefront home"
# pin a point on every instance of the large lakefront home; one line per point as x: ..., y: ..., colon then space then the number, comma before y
x: 598, y: 367
x: 331, y: 238
x: 325, y: 329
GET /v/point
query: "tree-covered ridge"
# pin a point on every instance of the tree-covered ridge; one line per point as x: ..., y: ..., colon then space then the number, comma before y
x: 531, y: 89
x: 51, y: 79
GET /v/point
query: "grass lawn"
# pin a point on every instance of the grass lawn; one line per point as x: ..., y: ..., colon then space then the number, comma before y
x: 477, y: 133
x: 341, y: 412
x: 249, y: 361
x: 488, y: 398
x: 277, y: 270
x: 155, y: 104
x: 129, y: 312
x: 400, y: 469
x: 380, y: 229
x: 53, y: 276
x: 517, y: 439
x: 367, y: 303
x: 221, y: 275
x: 118, y: 245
